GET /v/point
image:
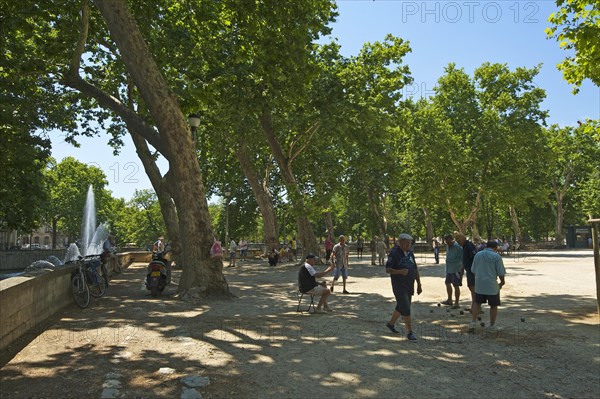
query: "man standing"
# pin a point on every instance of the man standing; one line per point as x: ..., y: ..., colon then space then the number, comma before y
x: 294, y: 245
x: 402, y: 268
x: 373, y: 249
x: 232, y: 248
x: 359, y: 247
x: 307, y: 282
x: 454, y: 270
x: 488, y: 267
x: 339, y: 261
x: 436, y: 251
x: 243, y: 249
x: 469, y: 252
x: 328, y: 248
x: 382, y: 252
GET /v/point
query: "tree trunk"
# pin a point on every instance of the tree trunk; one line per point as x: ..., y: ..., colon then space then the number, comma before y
x: 264, y: 199
x: 475, y: 232
x: 560, y: 214
x: 201, y: 276
x: 471, y: 219
x: 54, y: 223
x: 167, y: 207
x: 515, y: 222
x: 428, y: 226
x: 328, y: 224
x: 305, y: 232
x: 379, y: 219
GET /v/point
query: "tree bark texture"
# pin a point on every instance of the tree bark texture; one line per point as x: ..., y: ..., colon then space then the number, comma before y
x: 428, y: 226
x: 377, y: 215
x: 305, y: 232
x: 463, y: 225
x: 328, y: 224
x: 264, y: 199
x: 515, y: 221
x: 201, y: 276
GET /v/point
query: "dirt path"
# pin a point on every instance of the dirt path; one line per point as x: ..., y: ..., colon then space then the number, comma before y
x: 258, y: 346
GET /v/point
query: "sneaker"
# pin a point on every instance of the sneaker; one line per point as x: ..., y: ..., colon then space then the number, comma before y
x: 345, y: 292
x: 411, y: 336
x: 494, y: 328
x: 320, y: 311
x: 455, y: 307
x: 471, y: 327
x: 327, y: 309
x: 446, y: 302
x: 392, y: 328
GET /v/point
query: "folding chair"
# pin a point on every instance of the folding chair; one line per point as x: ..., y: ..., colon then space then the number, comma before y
x: 311, y: 305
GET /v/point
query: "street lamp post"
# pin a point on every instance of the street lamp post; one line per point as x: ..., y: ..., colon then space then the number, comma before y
x: 194, y: 122
x: 227, y: 193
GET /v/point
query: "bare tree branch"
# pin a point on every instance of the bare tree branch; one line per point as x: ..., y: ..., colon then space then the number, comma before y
x: 73, y: 79
x: 311, y: 131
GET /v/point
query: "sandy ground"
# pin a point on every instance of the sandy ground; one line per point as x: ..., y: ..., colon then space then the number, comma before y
x: 258, y: 346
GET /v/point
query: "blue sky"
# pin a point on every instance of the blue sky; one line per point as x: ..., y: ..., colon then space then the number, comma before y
x: 467, y: 33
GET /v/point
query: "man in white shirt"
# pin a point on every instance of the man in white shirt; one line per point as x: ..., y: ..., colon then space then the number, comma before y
x: 307, y: 283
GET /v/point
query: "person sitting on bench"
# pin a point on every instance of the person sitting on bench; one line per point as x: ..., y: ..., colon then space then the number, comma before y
x: 307, y: 282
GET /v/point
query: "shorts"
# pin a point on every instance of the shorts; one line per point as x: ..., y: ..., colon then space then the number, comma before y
x: 231, y: 255
x: 318, y: 290
x: 454, y: 278
x: 470, y: 278
x: 337, y: 271
x: 244, y: 252
x: 492, y: 300
x: 403, y: 299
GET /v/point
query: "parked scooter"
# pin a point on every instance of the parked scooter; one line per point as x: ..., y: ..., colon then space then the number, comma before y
x: 159, y: 272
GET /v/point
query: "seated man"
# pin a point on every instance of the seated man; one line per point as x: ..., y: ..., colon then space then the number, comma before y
x: 308, y: 284
x: 273, y: 257
x: 109, y: 255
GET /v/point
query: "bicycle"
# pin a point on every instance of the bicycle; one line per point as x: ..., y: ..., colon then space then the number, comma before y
x: 95, y: 281
x: 79, y: 287
x: 86, y: 282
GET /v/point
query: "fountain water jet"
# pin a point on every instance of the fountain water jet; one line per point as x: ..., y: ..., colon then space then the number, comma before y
x: 89, y: 220
x: 92, y: 237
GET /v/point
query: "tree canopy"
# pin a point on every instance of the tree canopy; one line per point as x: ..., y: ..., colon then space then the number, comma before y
x: 576, y: 27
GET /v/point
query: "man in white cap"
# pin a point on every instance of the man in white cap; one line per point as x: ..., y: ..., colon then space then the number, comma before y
x: 402, y: 268
x: 307, y: 282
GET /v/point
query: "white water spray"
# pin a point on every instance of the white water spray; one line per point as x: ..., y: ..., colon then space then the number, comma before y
x: 88, y: 225
x: 92, y: 238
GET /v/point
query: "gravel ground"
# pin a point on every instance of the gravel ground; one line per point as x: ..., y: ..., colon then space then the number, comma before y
x: 129, y: 345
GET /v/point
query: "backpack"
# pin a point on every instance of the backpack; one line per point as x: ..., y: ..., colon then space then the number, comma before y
x: 216, y: 251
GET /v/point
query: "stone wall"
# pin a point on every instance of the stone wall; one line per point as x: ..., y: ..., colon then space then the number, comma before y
x: 13, y: 260
x: 26, y: 302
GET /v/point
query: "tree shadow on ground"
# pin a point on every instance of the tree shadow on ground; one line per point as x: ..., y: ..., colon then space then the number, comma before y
x: 257, y: 345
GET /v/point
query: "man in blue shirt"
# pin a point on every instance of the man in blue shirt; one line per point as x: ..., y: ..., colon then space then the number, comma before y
x: 454, y: 270
x: 488, y: 268
x: 402, y: 268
